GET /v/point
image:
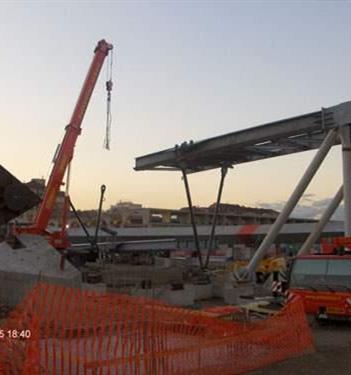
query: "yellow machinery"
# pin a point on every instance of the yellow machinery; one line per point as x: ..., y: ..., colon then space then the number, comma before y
x: 266, y: 267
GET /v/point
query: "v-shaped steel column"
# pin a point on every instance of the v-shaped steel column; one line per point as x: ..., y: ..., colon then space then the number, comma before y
x: 322, y: 152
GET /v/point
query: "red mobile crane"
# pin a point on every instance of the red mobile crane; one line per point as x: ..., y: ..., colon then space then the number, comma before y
x: 65, y: 153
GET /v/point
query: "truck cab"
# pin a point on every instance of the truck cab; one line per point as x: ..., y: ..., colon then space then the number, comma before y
x: 324, y: 283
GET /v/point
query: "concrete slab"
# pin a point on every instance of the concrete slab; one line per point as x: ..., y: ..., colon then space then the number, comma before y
x: 37, y: 261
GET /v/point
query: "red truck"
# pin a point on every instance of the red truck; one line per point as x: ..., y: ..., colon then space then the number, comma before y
x: 324, y: 283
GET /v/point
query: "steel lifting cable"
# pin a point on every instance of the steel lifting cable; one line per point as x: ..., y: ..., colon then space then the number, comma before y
x: 109, y: 85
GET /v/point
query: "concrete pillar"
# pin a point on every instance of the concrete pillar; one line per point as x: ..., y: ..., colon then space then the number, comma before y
x: 328, y: 142
x: 346, y: 168
x: 317, y: 230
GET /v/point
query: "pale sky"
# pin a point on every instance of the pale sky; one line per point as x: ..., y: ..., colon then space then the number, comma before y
x: 182, y: 70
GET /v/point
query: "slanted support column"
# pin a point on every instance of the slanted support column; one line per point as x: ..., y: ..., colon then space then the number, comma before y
x: 192, y: 217
x: 346, y: 168
x: 328, y: 142
x: 224, y: 171
x: 317, y: 230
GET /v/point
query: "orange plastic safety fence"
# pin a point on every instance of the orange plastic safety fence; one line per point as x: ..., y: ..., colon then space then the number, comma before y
x: 81, y: 332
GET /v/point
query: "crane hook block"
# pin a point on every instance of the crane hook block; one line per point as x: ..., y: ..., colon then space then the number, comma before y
x: 109, y: 85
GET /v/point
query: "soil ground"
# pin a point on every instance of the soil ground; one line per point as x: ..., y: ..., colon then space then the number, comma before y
x: 332, y: 355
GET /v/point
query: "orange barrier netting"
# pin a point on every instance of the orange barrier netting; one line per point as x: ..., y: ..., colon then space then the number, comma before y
x: 83, y: 332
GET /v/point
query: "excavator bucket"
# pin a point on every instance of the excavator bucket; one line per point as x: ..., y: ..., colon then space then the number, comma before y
x: 15, y: 197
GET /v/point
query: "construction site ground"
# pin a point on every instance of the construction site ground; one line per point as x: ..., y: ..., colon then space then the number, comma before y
x: 332, y: 355
x: 332, y: 350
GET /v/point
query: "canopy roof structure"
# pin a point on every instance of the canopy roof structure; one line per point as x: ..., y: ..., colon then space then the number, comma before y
x: 320, y: 130
x: 287, y: 136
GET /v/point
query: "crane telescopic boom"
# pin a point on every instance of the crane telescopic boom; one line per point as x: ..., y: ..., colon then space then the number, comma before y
x: 66, y: 149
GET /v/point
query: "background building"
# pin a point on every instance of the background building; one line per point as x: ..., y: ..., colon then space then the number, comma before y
x: 128, y: 214
x: 125, y: 214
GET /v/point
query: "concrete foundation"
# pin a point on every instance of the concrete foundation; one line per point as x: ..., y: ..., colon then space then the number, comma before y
x: 125, y: 275
x: 231, y: 295
x: 162, y: 262
x: 36, y: 261
x: 202, y: 292
x: 182, y: 297
x: 217, y: 291
x: 99, y: 287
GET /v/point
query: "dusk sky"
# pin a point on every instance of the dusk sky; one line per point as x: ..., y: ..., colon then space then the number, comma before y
x: 182, y: 70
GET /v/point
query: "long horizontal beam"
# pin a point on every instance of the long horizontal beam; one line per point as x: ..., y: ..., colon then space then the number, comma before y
x: 210, y: 153
x: 141, y: 245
